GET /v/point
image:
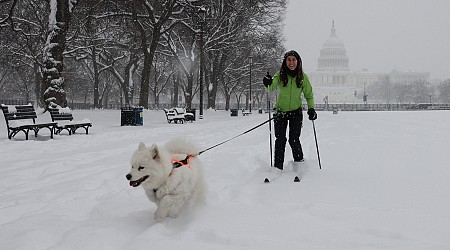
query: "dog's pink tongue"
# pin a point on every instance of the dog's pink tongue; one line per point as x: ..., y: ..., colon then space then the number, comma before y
x: 134, y: 183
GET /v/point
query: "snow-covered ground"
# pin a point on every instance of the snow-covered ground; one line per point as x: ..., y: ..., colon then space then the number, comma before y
x: 384, y: 184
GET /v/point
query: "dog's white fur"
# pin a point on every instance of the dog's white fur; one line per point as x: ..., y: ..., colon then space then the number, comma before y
x: 171, y: 189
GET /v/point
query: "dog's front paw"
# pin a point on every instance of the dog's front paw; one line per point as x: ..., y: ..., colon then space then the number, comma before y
x: 158, y: 218
x: 160, y: 193
x: 160, y: 214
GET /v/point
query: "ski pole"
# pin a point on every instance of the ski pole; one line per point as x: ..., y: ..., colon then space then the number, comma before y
x: 270, y: 127
x: 317, y: 146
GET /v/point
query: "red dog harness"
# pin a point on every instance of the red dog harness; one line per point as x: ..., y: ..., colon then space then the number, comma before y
x: 180, y: 163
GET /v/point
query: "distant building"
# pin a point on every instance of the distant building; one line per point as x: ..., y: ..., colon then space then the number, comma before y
x: 335, y: 82
x: 333, y: 55
x: 406, y: 77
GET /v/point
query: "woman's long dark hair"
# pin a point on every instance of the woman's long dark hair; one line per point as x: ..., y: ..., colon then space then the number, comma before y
x: 284, y: 69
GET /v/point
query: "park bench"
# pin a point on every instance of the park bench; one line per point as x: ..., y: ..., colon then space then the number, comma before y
x: 246, y: 112
x: 64, y: 119
x: 178, y: 115
x: 23, y: 118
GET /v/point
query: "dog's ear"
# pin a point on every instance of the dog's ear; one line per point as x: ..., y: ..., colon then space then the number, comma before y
x: 141, y: 146
x: 154, y: 152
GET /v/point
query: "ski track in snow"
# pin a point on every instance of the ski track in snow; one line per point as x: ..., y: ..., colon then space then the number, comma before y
x: 384, y: 184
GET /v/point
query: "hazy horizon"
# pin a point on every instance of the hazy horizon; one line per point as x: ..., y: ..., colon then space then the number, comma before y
x: 380, y: 36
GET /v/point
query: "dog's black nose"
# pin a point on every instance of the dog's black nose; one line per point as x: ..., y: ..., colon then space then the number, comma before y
x: 128, y: 176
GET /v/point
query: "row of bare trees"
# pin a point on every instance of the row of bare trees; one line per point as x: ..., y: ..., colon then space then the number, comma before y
x: 417, y: 91
x: 137, y: 51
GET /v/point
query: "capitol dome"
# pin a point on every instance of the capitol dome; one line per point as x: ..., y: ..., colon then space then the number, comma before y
x: 333, y: 55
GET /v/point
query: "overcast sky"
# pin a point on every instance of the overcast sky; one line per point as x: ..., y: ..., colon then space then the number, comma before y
x: 380, y: 35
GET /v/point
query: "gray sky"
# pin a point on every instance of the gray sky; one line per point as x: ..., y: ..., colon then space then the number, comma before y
x: 380, y: 35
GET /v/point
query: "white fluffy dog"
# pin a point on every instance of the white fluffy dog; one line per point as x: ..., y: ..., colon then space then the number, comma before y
x: 172, y: 176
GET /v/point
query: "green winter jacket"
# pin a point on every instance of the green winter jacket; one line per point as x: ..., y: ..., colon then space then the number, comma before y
x: 290, y: 97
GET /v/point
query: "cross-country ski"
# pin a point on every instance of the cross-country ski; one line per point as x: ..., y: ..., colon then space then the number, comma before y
x: 290, y: 172
x: 267, y: 180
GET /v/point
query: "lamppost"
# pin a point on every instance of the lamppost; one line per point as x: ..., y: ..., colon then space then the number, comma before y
x: 201, y: 14
x: 365, y: 95
x: 250, y: 60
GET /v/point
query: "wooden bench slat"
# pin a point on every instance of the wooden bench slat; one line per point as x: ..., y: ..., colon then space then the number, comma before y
x: 62, y: 117
x: 15, y: 116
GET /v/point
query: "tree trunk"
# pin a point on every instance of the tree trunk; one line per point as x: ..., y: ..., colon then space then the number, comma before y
x: 155, y: 93
x: 127, y: 85
x: 227, y: 102
x: 176, y: 81
x: 38, y: 89
x: 59, y: 18
x: 97, y: 101
x: 188, y: 93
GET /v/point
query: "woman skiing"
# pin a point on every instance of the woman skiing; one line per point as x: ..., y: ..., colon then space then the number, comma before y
x: 291, y: 83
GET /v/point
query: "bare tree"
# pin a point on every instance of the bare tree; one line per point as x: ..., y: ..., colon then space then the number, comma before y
x: 157, y: 17
x: 5, y: 74
x: 7, y: 14
x: 444, y: 91
x: 127, y: 39
x: 59, y: 20
x: 23, y: 38
x: 162, y: 73
x: 241, y: 29
x: 183, y: 50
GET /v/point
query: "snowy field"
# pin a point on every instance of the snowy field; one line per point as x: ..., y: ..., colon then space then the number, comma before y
x: 384, y: 184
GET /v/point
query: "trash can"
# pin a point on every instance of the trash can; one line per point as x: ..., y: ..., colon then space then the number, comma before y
x: 260, y: 111
x: 131, y: 116
x: 234, y: 112
x: 138, y: 116
x: 191, y: 111
x: 126, y: 116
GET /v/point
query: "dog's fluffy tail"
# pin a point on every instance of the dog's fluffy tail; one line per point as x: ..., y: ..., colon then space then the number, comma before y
x: 181, y: 146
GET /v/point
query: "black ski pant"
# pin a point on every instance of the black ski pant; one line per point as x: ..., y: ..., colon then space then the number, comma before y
x: 281, y: 121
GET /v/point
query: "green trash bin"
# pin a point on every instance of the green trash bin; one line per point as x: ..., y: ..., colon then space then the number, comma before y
x: 234, y: 112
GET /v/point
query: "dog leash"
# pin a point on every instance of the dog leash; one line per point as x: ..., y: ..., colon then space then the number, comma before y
x: 201, y: 152
x: 180, y: 163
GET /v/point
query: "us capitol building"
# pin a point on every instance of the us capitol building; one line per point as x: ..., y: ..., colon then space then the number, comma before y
x: 334, y: 82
